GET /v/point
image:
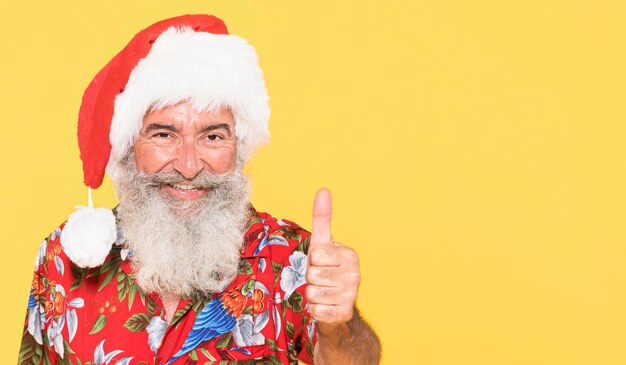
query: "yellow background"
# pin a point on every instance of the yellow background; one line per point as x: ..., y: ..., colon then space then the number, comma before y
x: 476, y: 152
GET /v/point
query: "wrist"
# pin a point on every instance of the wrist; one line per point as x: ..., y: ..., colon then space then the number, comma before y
x: 335, y: 335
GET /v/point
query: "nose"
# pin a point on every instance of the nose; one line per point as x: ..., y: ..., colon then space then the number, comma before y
x: 187, y: 161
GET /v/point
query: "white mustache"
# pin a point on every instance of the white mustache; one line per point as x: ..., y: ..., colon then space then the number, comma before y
x: 204, y: 180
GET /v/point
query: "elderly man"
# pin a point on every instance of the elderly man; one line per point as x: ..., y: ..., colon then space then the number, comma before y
x: 185, y: 270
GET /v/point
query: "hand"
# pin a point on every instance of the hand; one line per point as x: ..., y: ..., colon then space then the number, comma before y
x: 333, y: 270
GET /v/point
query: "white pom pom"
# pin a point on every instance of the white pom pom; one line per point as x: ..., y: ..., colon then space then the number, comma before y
x: 88, y: 236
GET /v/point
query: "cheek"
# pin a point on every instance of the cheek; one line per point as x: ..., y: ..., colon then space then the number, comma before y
x: 221, y: 160
x: 150, y: 159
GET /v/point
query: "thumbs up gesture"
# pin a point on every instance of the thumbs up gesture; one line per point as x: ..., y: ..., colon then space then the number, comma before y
x: 333, y: 270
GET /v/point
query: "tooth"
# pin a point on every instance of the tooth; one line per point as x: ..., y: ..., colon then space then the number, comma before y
x: 184, y: 186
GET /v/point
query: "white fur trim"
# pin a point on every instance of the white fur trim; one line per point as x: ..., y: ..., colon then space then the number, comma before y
x: 209, y: 70
x: 88, y: 236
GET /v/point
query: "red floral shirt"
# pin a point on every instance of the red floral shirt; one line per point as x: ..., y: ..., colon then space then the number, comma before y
x: 101, y: 316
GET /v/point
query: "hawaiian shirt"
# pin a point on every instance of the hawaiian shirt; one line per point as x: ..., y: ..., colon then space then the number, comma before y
x: 101, y: 316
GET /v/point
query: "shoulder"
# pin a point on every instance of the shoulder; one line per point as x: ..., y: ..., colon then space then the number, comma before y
x: 278, y: 238
x: 50, y: 256
x: 53, y: 260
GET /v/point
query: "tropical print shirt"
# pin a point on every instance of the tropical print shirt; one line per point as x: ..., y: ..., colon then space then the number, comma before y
x: 101, y: 316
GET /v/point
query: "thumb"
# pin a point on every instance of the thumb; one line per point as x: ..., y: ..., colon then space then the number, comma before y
x: 322, y: 213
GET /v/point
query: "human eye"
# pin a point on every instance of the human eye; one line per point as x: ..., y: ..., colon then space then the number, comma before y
x: 161, y: 135
x: 214, y: 138
x: 162, y: 138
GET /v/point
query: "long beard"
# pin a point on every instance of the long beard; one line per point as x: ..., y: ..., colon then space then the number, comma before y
x: 181, y: 246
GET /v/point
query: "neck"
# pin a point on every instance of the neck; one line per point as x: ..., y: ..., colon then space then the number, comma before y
x: 170, y: 303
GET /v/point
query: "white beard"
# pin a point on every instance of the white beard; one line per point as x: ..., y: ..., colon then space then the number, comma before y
x: 180, y: 246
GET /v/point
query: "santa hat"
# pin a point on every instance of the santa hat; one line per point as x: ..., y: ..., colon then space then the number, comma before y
x: 191, y: 58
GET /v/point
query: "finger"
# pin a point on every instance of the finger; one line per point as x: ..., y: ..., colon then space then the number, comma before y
x: 322, y: 213
x: 331, y: 254
x: 331, y: 314
x: 327, y: 295
x: 325, y: 255
x: 322, y: 276
x: 334, y: 254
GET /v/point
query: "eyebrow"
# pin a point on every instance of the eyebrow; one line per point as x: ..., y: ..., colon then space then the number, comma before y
x: 158, y: 126
x: 213, y: 127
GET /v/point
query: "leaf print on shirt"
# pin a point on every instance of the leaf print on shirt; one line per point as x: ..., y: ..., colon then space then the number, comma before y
x: 58, y: 264
x: 36, y: 320
x: 41, y: 254
x: 63, y: 313
x: 102, y: 358
x: 55, y: 338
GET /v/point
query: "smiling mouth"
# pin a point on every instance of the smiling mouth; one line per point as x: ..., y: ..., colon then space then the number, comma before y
x: 183, y: 186
x: 184, y: 190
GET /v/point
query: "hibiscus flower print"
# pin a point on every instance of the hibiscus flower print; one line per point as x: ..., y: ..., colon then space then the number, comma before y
x: 294, y: 275
x: 156, y: 331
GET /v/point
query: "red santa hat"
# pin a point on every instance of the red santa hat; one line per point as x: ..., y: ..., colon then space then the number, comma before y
x: 191, y: 58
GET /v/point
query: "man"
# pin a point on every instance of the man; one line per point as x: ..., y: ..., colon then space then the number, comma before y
x: 185, y: 271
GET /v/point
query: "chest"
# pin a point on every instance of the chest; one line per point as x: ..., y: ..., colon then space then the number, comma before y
x: 170, y: 303
x: 120, y: 323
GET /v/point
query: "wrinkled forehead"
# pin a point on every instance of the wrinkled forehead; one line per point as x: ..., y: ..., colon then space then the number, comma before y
x: 185, y: 116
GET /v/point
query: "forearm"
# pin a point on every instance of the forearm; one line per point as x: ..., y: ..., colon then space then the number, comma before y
x: 350, y: 343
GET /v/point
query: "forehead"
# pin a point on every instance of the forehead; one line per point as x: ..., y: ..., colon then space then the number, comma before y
x: 186, y: 113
